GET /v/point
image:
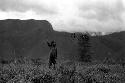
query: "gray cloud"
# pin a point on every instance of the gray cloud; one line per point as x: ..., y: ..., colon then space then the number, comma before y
x: 23, y: 6
x: 70, y: 15
x: 103, y: 11
x: 102, y: 16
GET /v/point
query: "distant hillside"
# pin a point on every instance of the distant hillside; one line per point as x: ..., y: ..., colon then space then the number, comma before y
x: 28, y: 38
x: 111, y: 45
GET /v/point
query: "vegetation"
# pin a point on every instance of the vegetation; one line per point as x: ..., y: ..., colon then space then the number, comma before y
x: 83, y: 46
x: 76, y: 72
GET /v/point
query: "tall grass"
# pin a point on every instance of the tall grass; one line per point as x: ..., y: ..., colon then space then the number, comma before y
x: 35, y: 71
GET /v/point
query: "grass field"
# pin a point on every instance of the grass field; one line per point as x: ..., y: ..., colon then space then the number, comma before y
x: 35, y: 71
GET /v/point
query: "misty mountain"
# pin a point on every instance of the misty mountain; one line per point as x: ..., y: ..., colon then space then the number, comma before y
x: 28, y: 38
x: 111, y: 45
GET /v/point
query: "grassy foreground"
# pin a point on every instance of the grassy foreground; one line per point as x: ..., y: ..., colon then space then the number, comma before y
x: 35, y: 71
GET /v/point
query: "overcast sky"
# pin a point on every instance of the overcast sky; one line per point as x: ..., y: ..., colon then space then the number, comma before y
x: 69, y: 15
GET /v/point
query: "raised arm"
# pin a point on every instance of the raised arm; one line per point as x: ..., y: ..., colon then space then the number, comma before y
x: 48, y: 44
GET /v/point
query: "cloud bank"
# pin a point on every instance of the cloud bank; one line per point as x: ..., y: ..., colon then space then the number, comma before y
x: 69, y: 15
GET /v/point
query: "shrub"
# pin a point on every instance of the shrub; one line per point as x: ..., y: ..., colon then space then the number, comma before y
x: 46, y: 78
x: 84, y: 48
x: 109, y: 61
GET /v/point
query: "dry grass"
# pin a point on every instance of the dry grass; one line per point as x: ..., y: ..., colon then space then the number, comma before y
x: 66, y: 72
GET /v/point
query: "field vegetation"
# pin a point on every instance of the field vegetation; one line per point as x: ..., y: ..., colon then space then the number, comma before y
x: 27, y: 70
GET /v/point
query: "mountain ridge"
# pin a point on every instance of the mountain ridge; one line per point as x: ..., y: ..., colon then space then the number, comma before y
x: 28, y: 38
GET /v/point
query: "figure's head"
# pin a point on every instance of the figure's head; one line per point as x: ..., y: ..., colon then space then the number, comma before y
x: 53, y: 43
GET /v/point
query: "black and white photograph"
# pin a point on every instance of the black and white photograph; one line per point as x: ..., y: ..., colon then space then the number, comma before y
x: 62, y: 41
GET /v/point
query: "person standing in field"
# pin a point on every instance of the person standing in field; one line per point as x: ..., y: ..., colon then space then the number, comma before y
x: 52, y: 54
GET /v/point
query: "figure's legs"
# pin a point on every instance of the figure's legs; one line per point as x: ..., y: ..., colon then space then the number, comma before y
x: 50, y: 64
x: 54, y: 66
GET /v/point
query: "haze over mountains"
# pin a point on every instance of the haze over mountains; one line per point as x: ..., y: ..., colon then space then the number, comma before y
x: 28, y: 38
